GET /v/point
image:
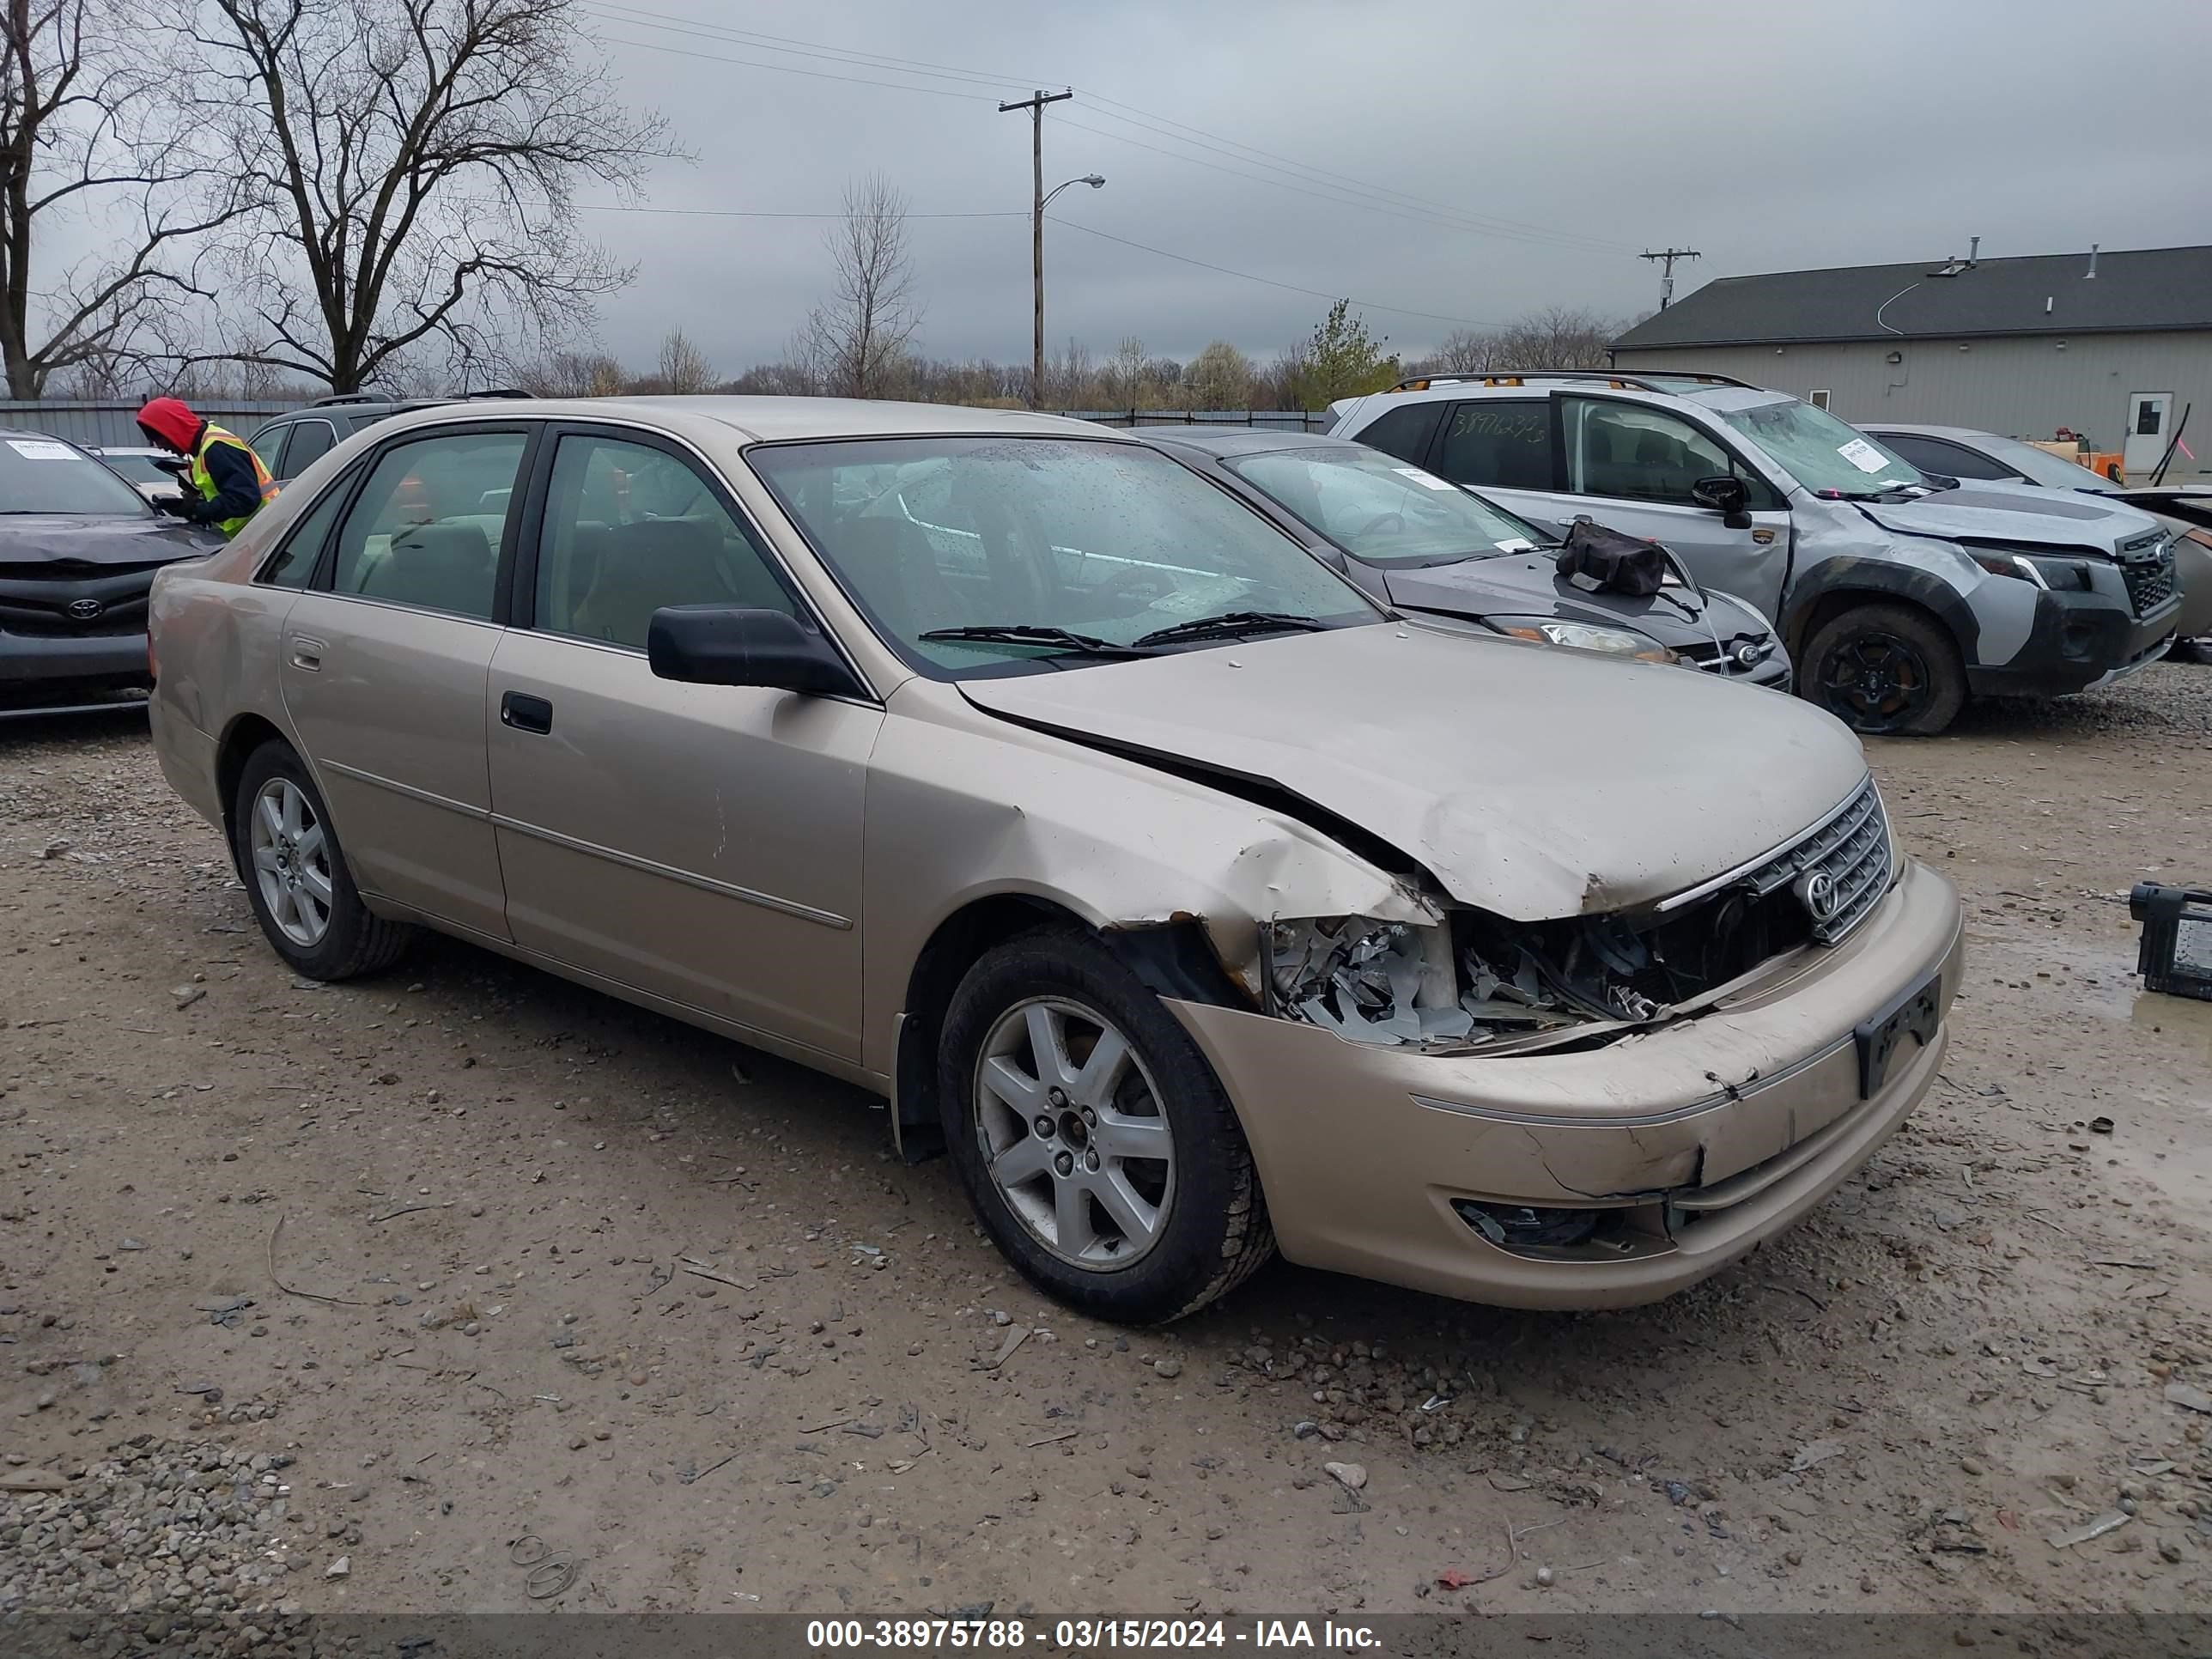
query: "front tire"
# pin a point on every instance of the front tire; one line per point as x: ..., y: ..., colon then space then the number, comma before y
x: 296, y: 876
x: 1885, y: 670
x: 1095, y: 1142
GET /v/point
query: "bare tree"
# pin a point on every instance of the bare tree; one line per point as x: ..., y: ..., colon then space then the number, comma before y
x: 406, y: 172
x: 684, y: 369
x: 571, y: 373
x: 857, y: 340
x: 1464, y: 351
x: 81, y: 136
x: 1219, y: 377
x: 1558, y: 337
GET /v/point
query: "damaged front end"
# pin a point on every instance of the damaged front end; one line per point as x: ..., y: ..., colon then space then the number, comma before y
x: 1469, y: 981
x: 1475, y: 981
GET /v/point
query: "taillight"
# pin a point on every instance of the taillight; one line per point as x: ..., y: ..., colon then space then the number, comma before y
x: 153, y: 671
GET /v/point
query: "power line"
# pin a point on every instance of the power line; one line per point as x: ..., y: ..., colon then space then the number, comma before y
x: 1324, y: 183
x: 1317, y: 192
x: 1424, y: 206
x: 788, y: 68
x: 1319, y: 294
x: 823, y: 49
x: 759, y: 213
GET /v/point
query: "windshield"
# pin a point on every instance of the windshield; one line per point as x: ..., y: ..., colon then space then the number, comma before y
x: 2041, y: 467
x: 1381, y: 511
x: 1820, y: 451
x: 137, y: 466
x: 1104, y: 540
x: 44, y: 475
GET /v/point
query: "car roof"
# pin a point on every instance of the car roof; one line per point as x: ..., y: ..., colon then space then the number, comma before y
x: 771, y: 419
x: 1240, y: 440
x: 29, y: 432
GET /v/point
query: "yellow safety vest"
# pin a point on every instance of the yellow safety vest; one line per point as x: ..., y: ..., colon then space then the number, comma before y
x: 208, y: 439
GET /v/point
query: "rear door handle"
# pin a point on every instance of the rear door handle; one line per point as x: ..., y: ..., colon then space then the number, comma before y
x: 525, y: 713
x: 306, y: 653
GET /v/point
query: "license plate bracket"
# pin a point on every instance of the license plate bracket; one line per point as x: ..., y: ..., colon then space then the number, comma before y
x: 1918, y: 1013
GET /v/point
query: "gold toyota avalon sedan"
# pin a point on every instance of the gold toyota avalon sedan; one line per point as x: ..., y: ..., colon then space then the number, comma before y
x: 1007, y: 768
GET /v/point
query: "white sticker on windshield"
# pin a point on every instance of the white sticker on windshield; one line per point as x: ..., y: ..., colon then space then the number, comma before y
x: 1863, y: 455
x: 42, y: 449
x: 1427, y: 480
x: 1515, y: 544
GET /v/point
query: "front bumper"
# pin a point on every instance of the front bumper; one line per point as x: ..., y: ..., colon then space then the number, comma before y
x: 38, y: 669
x: 1704, y: 1138
x: 2079, y: 640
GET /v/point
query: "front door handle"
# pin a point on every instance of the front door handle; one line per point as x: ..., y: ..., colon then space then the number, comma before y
x: 525, y: 713
x: 306, y: 653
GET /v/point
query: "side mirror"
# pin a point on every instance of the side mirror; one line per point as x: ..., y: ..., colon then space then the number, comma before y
x: 732, y: 644
x: 1727, y: 497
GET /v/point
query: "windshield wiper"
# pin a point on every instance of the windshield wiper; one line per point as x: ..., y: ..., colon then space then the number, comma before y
x: 1035, y: 634
x: 1228, y: 625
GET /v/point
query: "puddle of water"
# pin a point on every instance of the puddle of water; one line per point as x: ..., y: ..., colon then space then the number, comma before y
x: 2173, y: 1018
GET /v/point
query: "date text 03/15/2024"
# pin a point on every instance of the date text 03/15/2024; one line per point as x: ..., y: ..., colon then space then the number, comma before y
x: 1083, y: 1635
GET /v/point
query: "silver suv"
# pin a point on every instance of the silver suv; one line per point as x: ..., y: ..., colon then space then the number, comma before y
x: 1896, y: 597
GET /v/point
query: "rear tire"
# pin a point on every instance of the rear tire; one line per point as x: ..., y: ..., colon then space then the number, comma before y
x: 295, y: 874
x: 1886, y: 671
x: 1122, y: 1188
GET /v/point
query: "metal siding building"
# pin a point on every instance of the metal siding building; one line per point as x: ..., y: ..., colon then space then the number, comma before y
x: 2020, y: 346
x: 115, y: 425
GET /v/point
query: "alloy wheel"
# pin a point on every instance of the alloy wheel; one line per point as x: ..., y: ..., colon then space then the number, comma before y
x: 1072, y: 1133
x: 1877, y: 681
x: 291, y: 861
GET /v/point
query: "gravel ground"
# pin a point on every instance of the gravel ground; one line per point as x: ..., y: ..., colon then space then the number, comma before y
x: 318, y: 1300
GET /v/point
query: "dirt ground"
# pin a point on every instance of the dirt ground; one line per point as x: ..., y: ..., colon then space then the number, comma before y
x: 520, y: 1260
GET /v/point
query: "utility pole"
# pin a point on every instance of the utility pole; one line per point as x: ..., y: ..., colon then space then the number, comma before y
x: 1666, y: 262
x: 1034, y: 106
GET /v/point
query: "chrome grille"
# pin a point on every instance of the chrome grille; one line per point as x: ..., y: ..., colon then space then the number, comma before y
x: 1851, y: 849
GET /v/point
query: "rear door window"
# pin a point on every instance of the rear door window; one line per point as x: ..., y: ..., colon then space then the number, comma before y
x: 427, y: 527
x: 308, y: 442
x: 1506, y: 442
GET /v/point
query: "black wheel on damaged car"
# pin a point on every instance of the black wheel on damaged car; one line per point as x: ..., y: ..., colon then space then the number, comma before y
x: 1885, y: 670
x: 1095, y: 1142
x: 295, y: 874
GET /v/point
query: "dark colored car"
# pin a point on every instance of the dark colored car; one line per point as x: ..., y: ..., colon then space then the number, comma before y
x: 78, y: 550
x: 295, y: 439
x: 1417, y: 542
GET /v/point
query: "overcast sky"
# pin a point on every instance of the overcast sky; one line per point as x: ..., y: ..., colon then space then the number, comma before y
x: 1563, y: 138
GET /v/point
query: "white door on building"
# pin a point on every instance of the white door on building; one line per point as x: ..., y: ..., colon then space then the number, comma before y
x: 2150, y: 423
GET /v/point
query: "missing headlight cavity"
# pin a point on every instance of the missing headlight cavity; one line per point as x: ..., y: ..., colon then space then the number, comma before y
x: 1481, y: 979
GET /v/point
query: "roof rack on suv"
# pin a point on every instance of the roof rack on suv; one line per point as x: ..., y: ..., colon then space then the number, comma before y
x: 496, y: 391
x: 338, y: 397
x: 1613, y: 377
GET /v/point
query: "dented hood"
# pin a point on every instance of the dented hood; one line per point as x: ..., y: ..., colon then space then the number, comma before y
x: 2022, y: 516
x: 1532, y: 781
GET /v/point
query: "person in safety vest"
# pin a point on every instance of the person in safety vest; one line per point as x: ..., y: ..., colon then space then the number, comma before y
x: 225, y: 482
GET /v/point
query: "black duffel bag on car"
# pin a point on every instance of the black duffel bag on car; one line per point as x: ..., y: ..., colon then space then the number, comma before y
x: 1607, y: 562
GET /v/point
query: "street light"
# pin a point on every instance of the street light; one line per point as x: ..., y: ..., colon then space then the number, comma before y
x: 1096, y: 181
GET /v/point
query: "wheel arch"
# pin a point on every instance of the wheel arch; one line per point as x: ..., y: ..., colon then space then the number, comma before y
x: 1173, y: 958
x: 1836, y: 585
x: 245, y: 734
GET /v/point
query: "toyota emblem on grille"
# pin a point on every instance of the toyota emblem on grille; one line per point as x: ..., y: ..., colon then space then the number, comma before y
x: 1746, y: 655
x: 1816, y: 891
x: 85, y: 610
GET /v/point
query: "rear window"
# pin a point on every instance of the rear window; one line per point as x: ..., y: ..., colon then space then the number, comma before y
x: 44, y: 475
